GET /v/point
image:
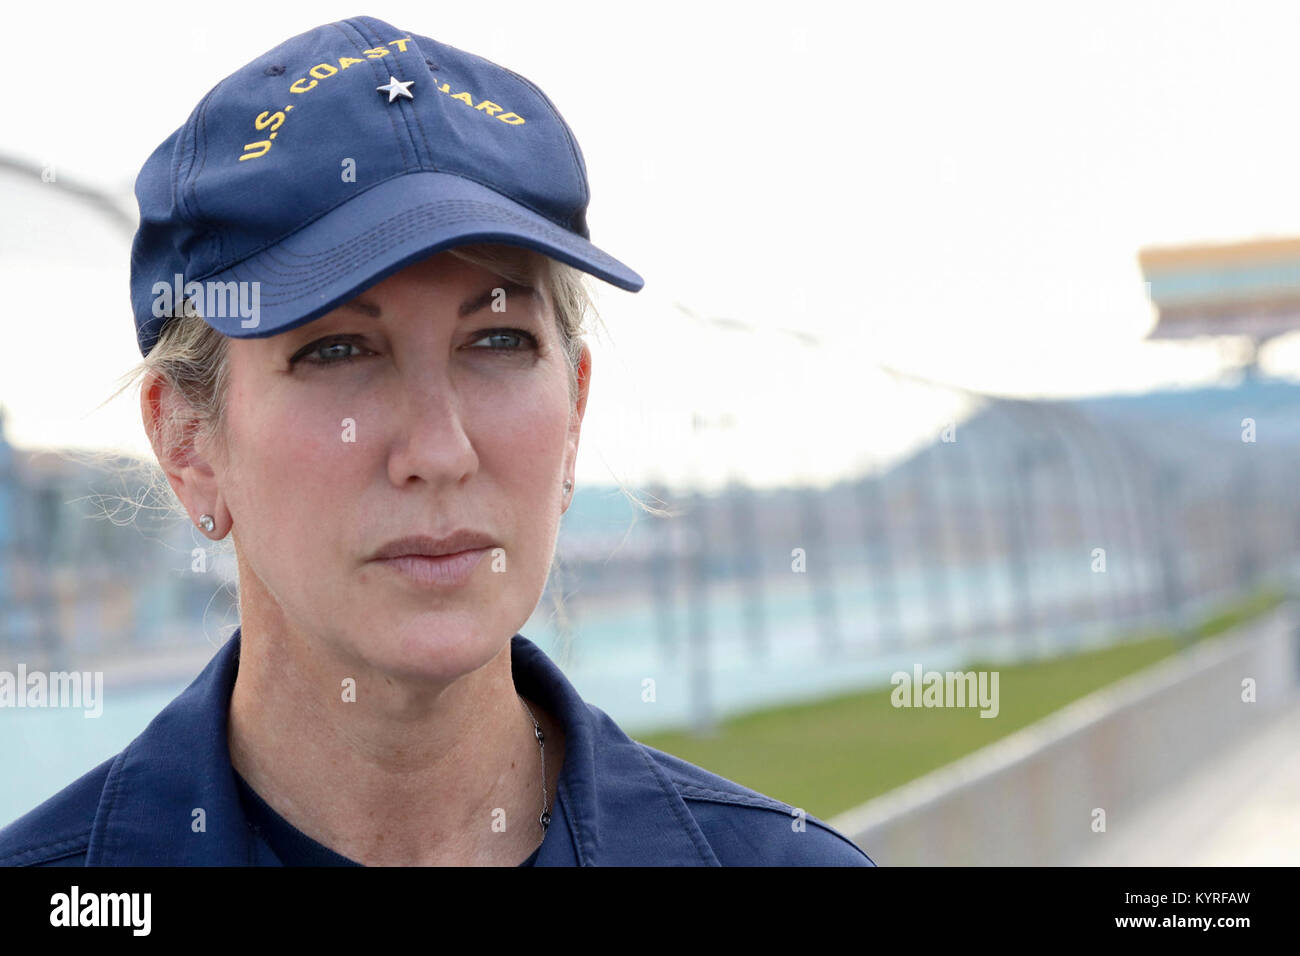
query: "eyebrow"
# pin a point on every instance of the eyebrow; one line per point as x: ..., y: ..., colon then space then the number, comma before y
x: 467, y: 308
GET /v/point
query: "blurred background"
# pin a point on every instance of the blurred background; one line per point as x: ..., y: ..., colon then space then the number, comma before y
x: 969, y: 343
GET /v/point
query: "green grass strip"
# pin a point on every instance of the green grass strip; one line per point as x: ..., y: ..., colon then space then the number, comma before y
x: 831, y: 755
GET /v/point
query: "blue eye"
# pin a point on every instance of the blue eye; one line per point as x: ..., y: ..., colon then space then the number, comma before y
x: 527, y: 338
x: 338, y: 349
x: 339, y: 356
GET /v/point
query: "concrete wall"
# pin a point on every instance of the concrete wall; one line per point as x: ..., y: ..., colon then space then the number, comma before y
x: 1029, y: 799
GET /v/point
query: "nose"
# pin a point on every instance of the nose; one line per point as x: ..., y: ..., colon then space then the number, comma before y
x: 432, y: 442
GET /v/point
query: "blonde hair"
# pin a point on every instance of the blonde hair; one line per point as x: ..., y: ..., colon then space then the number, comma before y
x: 191, y: 357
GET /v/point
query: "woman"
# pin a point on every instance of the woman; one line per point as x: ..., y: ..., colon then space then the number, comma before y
x: 356, y: 285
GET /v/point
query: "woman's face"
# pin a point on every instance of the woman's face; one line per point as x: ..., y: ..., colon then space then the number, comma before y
x: 416, y: 409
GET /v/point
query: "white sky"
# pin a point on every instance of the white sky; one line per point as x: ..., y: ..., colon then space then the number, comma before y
x: 954, y: 190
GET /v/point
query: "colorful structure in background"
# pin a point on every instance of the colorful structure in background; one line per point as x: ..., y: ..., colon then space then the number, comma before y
x: 1249, y: 288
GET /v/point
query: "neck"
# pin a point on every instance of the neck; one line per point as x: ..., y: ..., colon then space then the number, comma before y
x: 407, y: 774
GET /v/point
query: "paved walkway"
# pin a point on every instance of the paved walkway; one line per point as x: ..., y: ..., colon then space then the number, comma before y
x: 1243, y: 809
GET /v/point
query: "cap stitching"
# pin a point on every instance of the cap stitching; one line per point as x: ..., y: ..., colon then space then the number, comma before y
x: 217, y: 237
x: 370, y: 244
x: 208, y: 228
x: 200, y: 160
x: 409, y: 110
x: 528, y: 206
x: 557, y: 232
x: 271, y: 243
x: 183, y: 163
x: 200, y: 220
x: 392, y: 119
x: 282, y: 237
x: 419, y: 122
x: 555, y: 114
x: 568, y: 134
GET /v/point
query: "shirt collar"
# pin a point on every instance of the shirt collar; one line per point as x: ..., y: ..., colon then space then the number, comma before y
x: 171, y: 799
x: 617, y: 805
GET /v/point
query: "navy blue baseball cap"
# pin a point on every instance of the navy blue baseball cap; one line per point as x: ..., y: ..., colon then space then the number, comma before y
x: 338, y: 158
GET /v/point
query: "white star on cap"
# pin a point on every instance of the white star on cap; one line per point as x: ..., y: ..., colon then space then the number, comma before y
x: 395, y: 88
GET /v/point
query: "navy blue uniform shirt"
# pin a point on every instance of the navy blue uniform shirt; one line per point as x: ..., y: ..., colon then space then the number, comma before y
x: 619, y: 802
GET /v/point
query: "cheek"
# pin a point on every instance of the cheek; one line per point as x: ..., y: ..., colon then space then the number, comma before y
x: 293, y: 466
x: 309, y: 464
x: 520, y: 441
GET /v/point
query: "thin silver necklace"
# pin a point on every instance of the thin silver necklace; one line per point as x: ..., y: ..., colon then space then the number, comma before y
x: 545, y: 818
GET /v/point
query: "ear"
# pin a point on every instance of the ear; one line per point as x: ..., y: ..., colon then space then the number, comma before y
x: 575, y: 421
x: 175, y: 434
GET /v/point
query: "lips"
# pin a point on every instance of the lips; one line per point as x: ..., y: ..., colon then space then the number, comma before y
x: 424, y: 545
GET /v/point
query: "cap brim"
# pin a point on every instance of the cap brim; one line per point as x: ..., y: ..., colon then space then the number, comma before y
x: 383, y: 230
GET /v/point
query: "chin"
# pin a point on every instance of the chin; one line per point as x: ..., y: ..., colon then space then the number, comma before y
x: 437, y: 644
